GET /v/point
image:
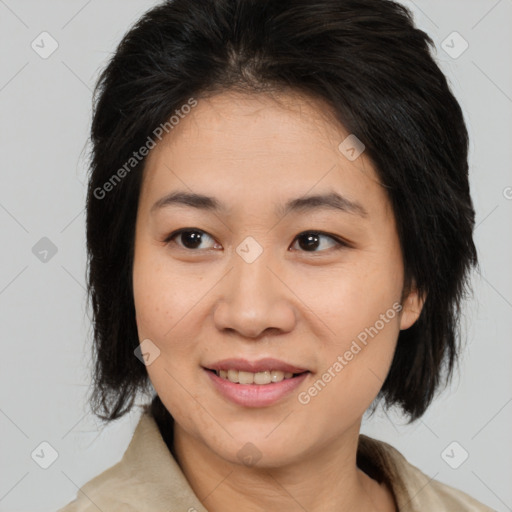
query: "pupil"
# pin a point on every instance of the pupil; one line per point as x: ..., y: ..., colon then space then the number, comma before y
x: 311, y: 241
x: 191, y: 239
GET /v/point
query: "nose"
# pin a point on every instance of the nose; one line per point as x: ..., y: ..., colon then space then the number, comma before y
x: 255, y: 300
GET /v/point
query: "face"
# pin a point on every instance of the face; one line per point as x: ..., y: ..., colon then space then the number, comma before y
x: 272, y: 309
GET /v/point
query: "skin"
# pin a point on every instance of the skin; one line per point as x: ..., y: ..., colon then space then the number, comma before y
x: 301, y: 305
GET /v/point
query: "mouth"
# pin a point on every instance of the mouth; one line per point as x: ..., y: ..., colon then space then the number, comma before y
x: 260, y: 378
x: 261, y: 372
x: 255, y: 383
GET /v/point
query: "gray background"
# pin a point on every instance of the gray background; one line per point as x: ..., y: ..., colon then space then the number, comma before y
x: 45, y: 366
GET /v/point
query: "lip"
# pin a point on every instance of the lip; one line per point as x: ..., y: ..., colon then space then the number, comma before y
x: 261, y: 365
x: 255, y: 395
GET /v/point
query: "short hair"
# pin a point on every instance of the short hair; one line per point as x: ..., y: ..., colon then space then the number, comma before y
x: 373, y: 68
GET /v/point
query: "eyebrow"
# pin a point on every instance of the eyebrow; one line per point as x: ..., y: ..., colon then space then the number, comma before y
x: 305, y: 204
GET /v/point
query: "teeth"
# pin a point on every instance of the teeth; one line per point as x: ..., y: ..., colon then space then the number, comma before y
x: 266, y: 377
x: 245, y: 377
x: 262, y: 378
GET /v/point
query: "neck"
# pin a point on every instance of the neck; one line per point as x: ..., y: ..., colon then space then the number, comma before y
x: 328, y: 480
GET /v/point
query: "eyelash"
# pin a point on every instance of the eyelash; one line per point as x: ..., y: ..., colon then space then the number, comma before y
x: 340, y: 243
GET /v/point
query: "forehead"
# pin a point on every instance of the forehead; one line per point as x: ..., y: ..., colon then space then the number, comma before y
x: 257, y: 146
x: 247, y: 124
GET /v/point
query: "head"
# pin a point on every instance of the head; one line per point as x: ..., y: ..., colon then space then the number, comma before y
x: 318, y: 166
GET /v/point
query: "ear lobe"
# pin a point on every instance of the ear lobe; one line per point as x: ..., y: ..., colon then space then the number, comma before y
x: 412, y: 306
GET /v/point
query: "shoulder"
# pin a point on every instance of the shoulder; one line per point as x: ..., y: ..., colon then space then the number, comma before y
x: 414, y: 490
x: 112, y: 491
x: 147, y: 479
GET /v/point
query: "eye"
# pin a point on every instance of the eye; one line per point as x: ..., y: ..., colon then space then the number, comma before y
x: 191, y: 238
x: 310, y: 241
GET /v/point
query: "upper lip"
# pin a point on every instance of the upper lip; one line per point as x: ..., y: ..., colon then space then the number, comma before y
x: 261, y: 365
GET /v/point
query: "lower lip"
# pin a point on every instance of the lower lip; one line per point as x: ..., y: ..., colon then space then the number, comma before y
x: 255, y: 395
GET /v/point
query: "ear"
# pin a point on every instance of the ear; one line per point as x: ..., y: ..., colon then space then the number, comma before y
x: 411, y: 308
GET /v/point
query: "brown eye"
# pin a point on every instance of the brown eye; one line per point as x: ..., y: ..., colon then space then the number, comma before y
x: 190, y: 238
x: 310, y: 241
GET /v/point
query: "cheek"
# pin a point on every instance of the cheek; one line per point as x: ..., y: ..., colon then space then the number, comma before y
x: 164, y: 300
x: 359, y: 311
x: 350, y: 298
x: 161, y: 314
x: 153, y: 306
x: 158, y: 291
x: 354, y: 368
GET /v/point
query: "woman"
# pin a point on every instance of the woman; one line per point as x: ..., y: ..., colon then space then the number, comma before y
x: 279, y: 230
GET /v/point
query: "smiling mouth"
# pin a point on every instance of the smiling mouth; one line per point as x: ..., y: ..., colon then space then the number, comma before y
x: 260, y: 378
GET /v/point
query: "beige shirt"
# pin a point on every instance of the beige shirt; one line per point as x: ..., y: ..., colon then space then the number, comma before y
x: 148, y: 479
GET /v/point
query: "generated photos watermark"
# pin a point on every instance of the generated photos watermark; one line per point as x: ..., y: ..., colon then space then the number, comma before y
x: 138, y: 156
x: 343, y: 359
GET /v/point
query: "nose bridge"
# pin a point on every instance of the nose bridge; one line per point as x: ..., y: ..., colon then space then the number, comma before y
x: 252, y: 288
x: 251, y: 272
x: 252, y: 298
